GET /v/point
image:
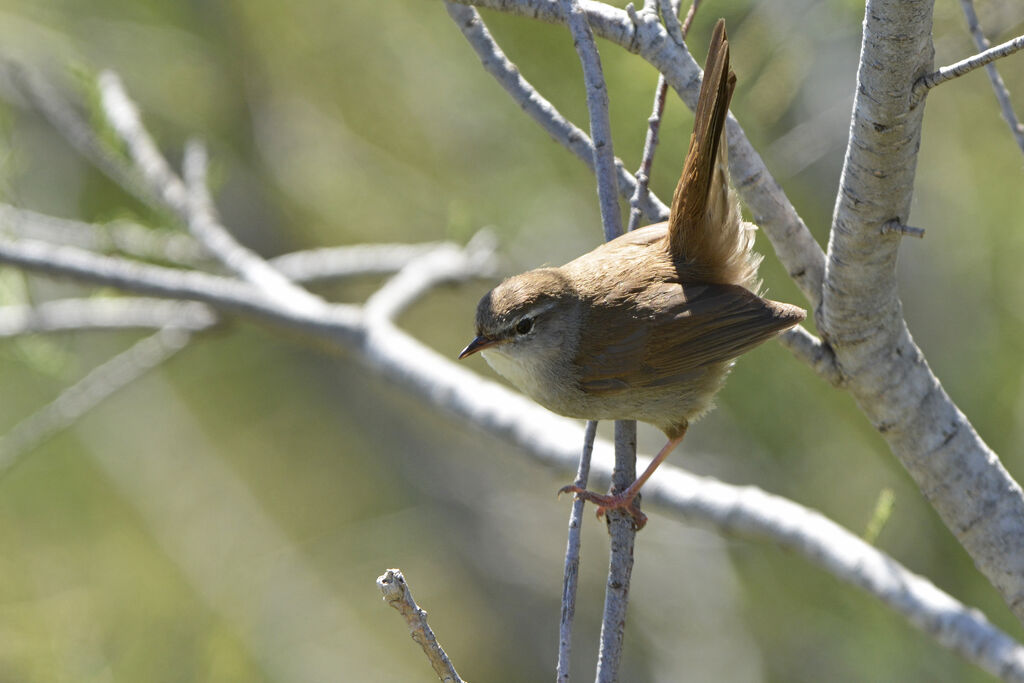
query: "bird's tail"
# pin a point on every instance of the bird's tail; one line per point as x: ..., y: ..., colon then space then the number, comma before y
x: 705, y: 229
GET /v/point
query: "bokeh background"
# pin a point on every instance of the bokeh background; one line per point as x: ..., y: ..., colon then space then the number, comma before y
x: 224, y: 518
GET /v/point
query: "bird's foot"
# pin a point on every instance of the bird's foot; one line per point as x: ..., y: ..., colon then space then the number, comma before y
x: 622, y: 501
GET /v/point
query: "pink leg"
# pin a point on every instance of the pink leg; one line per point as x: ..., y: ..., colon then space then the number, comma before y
x: 624, y: 500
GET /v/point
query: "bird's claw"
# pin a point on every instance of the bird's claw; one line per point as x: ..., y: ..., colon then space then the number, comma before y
x: 605, y: 503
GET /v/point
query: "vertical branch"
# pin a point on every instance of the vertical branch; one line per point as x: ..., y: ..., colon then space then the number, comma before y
x: 643, y: 173
x: 494, y: 61
x: 620, y: 565
x: 570, y: 580
x: 620, y: 525
x: 600, y: 124
x: 1002, y: 94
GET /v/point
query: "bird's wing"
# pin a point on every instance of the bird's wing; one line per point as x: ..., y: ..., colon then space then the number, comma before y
x: 677, y: 332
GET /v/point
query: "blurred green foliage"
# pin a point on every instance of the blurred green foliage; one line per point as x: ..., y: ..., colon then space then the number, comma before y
x: 344, y: 122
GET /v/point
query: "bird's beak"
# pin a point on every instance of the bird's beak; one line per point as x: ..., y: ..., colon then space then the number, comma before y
x: 478, y: 344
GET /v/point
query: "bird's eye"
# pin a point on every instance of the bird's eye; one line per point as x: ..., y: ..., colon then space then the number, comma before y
x: 524, y: 326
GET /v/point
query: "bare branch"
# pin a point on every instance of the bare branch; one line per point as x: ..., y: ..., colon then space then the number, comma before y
x: 670, y: 16
x: 222, y: 293
x: 897, y: 227
x: 620, y: 523
x: 124, y: 117
x: 795, y: 246
x: 205, y: 226
x: 622, y: 529
x: 571, y: 574
x: 600, y: 125
x: 814, y: 352
x: 538, y: 108
x: 329, y: 263
x: 446, y: 263
x: 965, y: 66
x: 79, y: 134
x: 1002, y: 94
x: 103, y: 313
x: 861, y: 315
x: 156, y: 244
x: 81, y: 397
x: 130, y: 238
x: 397, y: 594
x: 643, y: 173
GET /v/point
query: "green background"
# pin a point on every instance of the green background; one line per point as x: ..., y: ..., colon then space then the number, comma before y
x: 225, y: 518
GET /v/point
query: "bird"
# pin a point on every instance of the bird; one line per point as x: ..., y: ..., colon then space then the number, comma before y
x: 646, y: 326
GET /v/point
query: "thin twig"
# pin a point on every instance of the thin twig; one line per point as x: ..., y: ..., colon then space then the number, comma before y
x: 814, y: 352
x: 571, y: 575
x: 670, y: 17
x: 1002, y: 94
x: 81, y: 397
x: 643, y: 173
x: 103, y: 313
x: 600, y: 124
x: 965, y: 66
x: 397, y: 594
x: 124, y: 117
x: 157, y: 244
x: 190, y: 199
x: 79, y: 134
x: 177, y: 321
x: 225, y: 294
x: 622, y: 529
x: 204, y: 224
x: 141, y: 241
x: 330, y: 263
x: 620, y: 523
x: 793, y: 242
x: 446, y: 263
x: 540, y: 109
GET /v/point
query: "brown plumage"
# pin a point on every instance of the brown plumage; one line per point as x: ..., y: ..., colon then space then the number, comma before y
x: 644, y: 327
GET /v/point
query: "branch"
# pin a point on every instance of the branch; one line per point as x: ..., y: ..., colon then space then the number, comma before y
x: 397, y: 594
x: 814, y: 352
x: 570, y: 577
x: 103, y: 313
x: 861, y: 315
x: 621, y: 527
x: 330, y: 263
x: 142, y: 242
x: 79, y: 134
x: 600, y: 124
x: 965, y: 66
x: 78, y: 399
x: 538, y: 108
x: 222, y: 293
x: 643, y: 173
x: 123, y: 115
x: 622, y: 530
x: 154, y: 244
x: 445, y: 263
x: 773, y: 212
x: 202, y: 221
x: 1002, y: 94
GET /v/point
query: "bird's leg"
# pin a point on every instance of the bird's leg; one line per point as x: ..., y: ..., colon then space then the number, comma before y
x: 625, y: 500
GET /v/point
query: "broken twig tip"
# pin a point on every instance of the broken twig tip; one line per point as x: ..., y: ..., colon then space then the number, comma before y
x: 906, y: 230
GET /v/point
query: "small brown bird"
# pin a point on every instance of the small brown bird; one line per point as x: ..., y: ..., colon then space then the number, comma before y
x: 644, y: 327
